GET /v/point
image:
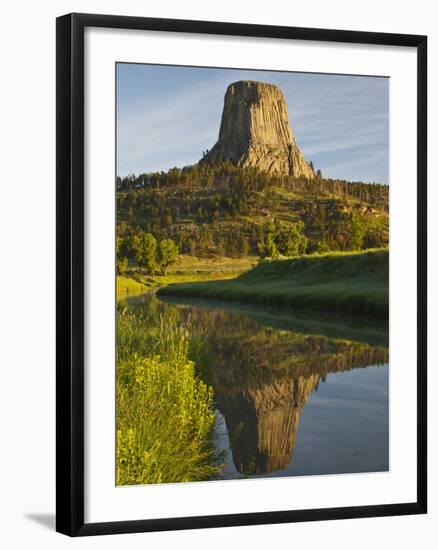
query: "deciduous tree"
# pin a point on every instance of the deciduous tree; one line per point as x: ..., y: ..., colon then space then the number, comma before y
x: 167, y: 254
x: 145, y: 246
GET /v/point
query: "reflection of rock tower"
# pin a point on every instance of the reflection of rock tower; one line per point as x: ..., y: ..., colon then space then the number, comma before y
x: 262, y: 380
x: 255, y: 131
x: 263, y: 423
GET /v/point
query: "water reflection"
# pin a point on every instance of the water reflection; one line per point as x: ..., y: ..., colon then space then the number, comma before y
x: 264, y: 369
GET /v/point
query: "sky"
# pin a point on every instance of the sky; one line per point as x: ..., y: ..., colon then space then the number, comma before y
x: 168, y: 115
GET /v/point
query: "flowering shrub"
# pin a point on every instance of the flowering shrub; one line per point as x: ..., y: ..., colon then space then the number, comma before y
x: 165, y: 414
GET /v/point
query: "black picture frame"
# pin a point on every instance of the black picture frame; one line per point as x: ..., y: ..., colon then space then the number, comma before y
x: 70, y: 272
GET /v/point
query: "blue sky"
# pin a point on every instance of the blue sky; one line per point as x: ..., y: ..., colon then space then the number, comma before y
x: 166, y: 117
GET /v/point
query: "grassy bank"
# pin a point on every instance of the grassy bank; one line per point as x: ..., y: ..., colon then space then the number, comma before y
x: 165, y: 413
x: 188, y: 269
x: 350, y: 283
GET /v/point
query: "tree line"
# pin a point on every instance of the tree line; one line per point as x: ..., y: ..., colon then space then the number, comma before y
x: 272, y: 240
x: 151, y: 255
x: 208, y: 176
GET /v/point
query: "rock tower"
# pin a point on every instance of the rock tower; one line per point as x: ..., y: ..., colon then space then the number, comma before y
x: 255, y: 131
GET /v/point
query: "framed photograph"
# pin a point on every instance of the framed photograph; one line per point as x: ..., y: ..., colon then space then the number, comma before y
x: 241, y: 274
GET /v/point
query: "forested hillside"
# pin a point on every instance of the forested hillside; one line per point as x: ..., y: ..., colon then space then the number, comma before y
x: 224, y: 210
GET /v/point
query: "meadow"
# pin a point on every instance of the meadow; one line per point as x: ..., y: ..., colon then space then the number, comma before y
x: 352, y: 283
x: 187, y: 269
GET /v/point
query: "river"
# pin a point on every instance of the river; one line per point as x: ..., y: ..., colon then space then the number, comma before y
x: 294, y: 394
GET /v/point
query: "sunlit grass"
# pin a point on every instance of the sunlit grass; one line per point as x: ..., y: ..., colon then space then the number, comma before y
x: 165, y: 415
x: 187, y: 270
x: 127, y: 286
x: 351, y: 283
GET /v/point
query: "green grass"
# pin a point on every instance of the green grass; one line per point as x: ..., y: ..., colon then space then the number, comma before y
x: 128, y: 286
x: 188, y: 269
x: 165, y: 413
x: 350, y: 283
x: 220, y: 264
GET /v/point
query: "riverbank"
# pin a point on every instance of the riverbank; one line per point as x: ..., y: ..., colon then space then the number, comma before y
x: 349, y: 283
x: 187, y: 270
x: 165, y: 414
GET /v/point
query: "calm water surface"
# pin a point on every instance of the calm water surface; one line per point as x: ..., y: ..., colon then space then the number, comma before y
x: 294, y: 394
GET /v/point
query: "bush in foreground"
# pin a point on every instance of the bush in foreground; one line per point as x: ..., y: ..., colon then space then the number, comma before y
x: 165, y: 414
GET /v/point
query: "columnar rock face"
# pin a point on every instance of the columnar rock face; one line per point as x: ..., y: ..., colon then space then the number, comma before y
x: 266, y: 420
x: 255, y: 131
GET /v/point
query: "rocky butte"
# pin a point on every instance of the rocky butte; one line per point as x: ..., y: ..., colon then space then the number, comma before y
x: 255, y: 131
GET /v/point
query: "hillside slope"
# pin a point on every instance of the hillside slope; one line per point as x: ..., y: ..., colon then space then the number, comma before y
x: 349, y: 283
x: 224, y: 210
